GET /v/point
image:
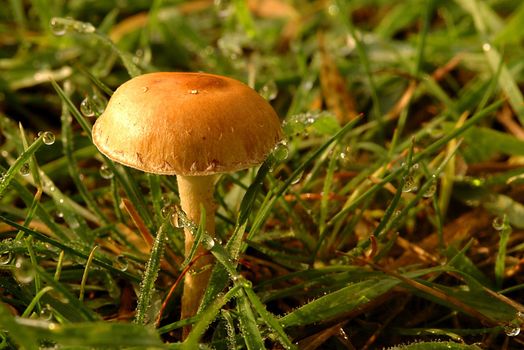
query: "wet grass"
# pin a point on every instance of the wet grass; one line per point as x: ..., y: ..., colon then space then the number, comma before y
x: 390, y: 217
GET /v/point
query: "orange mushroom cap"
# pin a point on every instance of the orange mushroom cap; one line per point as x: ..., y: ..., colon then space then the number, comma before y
x: 188, y: 124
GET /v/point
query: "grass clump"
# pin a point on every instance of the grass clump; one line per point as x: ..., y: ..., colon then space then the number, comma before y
x: 390, y: 217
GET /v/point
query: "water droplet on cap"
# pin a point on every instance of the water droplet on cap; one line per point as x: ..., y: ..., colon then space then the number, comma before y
x: 193, y: 92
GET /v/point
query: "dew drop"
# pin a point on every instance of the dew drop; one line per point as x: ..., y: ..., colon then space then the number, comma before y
x: 511, y: 330
x: 498, y: 223
x: 281, y: 151
x: 25, y: 169
x: 486, y: 47
x: 5, y: 258
x: 58, y: 27
x: 85, y: 28
x: 246, y: 283
x: 269, y: 91
x: 430, y: 191
x: 175, y: 220
x: 121, y: 263
x: 24, y: 272
x: 47, y: 137
x: 208, y: 242
x: 410, y: 185
x: 106, y: 172
x: 87, y: 108
x: 193, y: 92
x: 46, y: 313
x: 166, y: 211
x: 297, y: 178
x: 333, y: 10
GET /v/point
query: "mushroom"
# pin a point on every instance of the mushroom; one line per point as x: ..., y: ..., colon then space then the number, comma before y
x: 192, y: 125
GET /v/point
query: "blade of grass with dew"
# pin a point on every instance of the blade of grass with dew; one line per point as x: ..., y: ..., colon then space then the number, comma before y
x: 268, y: 318
x: 248, y: 323
x: 339, y: 302
x: 73, y: 168
x: 230, y: 328
x: 150, y: 275
x: 393, y: 224
x: 34, y: 263
x: 206, y: 316
x: 69, y: 250
x: 398, y: 194
x: 35, y: 173
x: 14, y: 169
x: 93, y: 334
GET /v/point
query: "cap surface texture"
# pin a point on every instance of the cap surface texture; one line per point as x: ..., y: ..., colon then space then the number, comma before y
x: 187, y: 124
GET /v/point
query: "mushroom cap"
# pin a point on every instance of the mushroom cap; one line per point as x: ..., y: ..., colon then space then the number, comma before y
x: 188, y: 124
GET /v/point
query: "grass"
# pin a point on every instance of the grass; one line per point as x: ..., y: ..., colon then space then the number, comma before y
x: 390, y: 218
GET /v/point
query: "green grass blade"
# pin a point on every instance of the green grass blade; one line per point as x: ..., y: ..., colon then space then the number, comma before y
x: 339, y: 302
x: 500, y: 262
x: 93, y: 334
x: 18, y: 164
x: 150, y: 275
x: 248, y: 324
x: 269, y: 318
x: 207, y: 316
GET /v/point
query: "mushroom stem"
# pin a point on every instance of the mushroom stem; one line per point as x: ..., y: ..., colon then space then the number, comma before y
x: 195, y: 191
